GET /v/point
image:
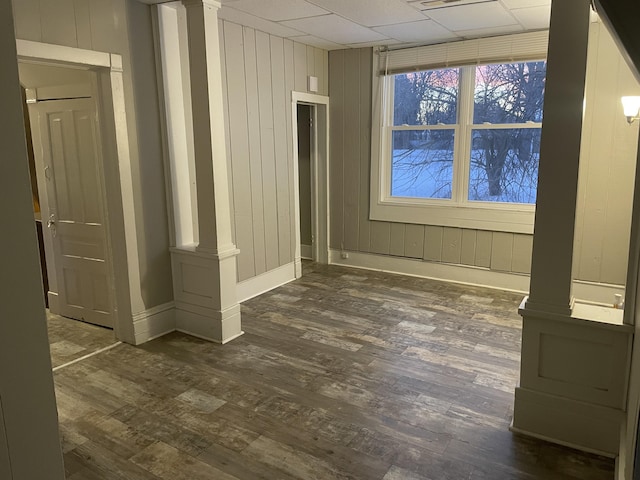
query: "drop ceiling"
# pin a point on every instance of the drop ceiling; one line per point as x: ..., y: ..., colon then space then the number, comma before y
x: 336, y: 24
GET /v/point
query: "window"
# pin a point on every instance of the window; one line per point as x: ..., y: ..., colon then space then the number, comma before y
x: 459, y: 145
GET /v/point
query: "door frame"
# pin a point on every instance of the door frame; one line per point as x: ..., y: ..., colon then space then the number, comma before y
x: 118, y: 194
x: 319, y: 176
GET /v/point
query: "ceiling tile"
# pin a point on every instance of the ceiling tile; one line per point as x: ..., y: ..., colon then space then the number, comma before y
x: 525, y: 3
x: 335, y: 28
x: 534, y: 17
x: 318, y: 42
x: 468, y: 17
x: 426, y: 31
x: 277, y: 10
x: 372, y: 12
x: 242, y: 18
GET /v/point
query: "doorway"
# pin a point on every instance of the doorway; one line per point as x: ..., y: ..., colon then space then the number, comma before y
x: 310, y: 171
x: 69, y: 194
x: 305, y: 126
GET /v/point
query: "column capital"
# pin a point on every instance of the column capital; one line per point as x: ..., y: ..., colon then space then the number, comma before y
x: 195, y: 3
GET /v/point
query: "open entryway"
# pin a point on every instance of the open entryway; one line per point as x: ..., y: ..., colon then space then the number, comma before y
x: 305, y: 127
x: 310, y: 129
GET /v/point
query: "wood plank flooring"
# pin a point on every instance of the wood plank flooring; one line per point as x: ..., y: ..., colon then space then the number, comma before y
x: 71, y: 339
x: 343, y: 374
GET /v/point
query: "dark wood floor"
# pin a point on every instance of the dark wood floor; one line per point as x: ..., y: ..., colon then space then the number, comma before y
x: 70, y: 339
x: 344, y: 374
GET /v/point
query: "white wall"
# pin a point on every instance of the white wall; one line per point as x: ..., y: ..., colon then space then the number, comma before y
x: 607, y: 165
x: 259, y: 73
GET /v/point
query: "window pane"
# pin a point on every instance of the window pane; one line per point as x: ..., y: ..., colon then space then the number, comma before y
x: 509, y: 92
x: 422, y: 163
x: 504, y: 165
x: 426, y: 98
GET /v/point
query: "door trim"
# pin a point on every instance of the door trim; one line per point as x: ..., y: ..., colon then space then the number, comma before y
x: 319, y: 176
x: 119, y: 202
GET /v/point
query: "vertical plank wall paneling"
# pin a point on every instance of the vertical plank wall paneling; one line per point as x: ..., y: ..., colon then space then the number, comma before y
x: 604, y: 207
x: 227, y: 133
x: 123, y: 28
x: 256, y: 208
x: 364, y: 226
x: 607, y: 165
x: 234, y: 42
x: 55, y: 27
x: 337, y: 133
x: 267, y: 149
x: 261, y: 71
x: 351, y: 149
x: 468, y: 247
x: 280, y: 106
x: 83, y: 24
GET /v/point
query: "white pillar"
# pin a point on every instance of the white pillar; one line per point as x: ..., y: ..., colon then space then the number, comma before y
x: 205, y: 276
x: 214, y: 218
x: 551, y: 263
x: 574, y: 369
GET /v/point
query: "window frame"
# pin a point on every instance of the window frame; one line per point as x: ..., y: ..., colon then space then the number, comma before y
x: 458, y: 211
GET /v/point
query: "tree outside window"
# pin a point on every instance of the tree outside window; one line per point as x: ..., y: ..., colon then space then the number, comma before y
x: 500, y: 134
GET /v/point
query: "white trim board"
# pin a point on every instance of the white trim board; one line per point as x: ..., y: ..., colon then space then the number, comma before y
x: 30, y: 50
x: 586, y: 292
x: 154, y: 322
x: 462, y: 274
x: 264, y: 282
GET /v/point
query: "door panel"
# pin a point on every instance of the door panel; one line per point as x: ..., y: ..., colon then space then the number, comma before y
x: 68, y: 152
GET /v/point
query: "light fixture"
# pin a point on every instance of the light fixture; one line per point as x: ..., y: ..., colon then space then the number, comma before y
x: 631, y: 107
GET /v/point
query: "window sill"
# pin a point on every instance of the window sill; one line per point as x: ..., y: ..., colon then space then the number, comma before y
x: 478, y: 217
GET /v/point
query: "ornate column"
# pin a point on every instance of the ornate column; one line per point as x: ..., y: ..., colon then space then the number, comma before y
x: 205, y: 274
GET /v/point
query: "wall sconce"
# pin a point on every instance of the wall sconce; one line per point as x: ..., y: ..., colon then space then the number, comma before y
x: 631, y: 107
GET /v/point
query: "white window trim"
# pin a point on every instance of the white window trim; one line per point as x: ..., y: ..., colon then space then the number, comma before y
x: 457, y: 211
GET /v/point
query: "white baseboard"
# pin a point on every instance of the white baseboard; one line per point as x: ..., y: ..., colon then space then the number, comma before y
x: 264, y: 282
x: 597, y: 293
x: 208, y: 324
x: 154, y: 322
x: 583, y: 291
x: 306, y: 252
x: 461, y: 274
x: 52, y: 299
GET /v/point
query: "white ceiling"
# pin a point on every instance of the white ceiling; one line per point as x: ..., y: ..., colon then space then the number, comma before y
x: 335, y: 24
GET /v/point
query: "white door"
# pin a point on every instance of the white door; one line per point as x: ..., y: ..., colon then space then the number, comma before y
x: 67, y: 152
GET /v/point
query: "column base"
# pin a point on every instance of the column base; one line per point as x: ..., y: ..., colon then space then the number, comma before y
x: 212, y: 325
x: 204, y: 286
x: 580, y: 425
x: 573, y: 379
